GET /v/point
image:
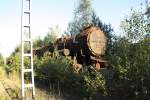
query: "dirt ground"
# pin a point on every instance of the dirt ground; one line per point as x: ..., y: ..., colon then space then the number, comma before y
x: 9, y: 89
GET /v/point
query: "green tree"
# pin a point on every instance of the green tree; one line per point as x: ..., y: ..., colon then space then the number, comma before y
x: 147, y: 3
x: 147, y: 13
x: 134, y: 26
x: 14, y: 60
x: 1, y: 66
x: 37, y: 42
x: 52, y: 35
x: 82, y: 17
x: 131, y: 59
x: 1, y: 61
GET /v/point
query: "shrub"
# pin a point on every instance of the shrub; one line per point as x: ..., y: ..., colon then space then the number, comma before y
x: 85, y: 84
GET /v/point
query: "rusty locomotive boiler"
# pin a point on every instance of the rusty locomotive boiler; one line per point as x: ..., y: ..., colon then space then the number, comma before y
x: 88, y: 47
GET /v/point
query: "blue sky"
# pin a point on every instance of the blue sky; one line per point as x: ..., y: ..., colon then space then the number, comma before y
x: 47, y: 13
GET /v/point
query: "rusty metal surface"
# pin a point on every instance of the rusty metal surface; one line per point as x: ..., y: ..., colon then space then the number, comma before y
x: 89, y: 46
x: 96, y: 41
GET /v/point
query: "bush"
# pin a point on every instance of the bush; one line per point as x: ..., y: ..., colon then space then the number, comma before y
x: 85, y: 84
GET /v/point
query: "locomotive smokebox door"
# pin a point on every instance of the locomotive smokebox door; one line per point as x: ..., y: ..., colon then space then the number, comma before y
x: 96, y: 41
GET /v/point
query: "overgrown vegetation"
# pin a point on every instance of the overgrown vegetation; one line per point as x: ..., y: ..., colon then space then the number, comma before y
x: 1, y: 61
x: 128, y: 75
x: 131, y: 59
x: 60, y: 69
x: 1, y: 66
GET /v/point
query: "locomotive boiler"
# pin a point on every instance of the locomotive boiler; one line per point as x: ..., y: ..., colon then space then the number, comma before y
x: 88, y: 47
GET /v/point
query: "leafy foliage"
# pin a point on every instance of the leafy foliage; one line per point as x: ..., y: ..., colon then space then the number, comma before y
x: 58, y: 68
x: 37, y: 42
x: 14, y: 62
x: 128, y: 54
x: 131, y: 60
x: 82, y: 17
x: 51, y: 35
x: 134, y: 27
x: 1, y: 61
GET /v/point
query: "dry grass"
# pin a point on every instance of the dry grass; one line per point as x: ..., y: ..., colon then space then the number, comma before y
x: 10, y: 88
x: 44, y: 94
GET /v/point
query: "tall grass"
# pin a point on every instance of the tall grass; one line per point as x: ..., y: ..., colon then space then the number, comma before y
x: 13, y: 81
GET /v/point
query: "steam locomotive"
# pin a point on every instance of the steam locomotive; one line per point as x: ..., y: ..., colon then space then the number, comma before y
x: 88, y: 47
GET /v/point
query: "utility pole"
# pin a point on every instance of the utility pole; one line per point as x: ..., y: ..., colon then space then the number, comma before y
x: 27, y: 53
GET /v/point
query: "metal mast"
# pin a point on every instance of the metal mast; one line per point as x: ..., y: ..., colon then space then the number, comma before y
x: 27, y: 74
